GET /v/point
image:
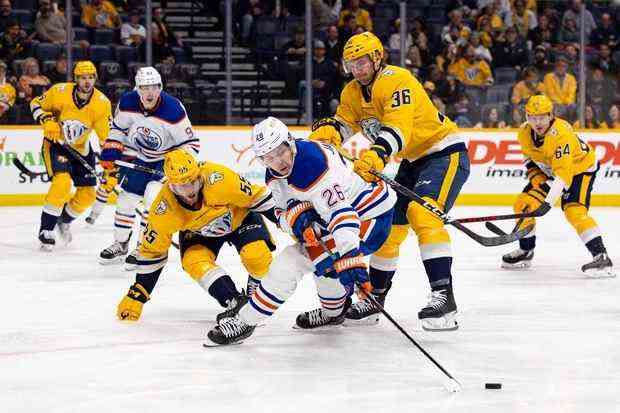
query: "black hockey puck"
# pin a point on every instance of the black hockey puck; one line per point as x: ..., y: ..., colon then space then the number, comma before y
x: 493, y: 386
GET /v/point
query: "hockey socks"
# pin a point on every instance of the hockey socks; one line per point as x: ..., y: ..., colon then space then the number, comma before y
x: 223, y: 290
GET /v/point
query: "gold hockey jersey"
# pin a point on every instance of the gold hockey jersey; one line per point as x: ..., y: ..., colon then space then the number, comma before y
x: 61, y: 103
x: 559, y: 152
x: 226, y: 200
x: 410, y: 121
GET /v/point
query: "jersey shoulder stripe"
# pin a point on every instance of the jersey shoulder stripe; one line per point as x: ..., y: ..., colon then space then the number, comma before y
x: 310, y: 165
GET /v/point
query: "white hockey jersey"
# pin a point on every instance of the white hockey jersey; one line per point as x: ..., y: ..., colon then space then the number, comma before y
x: 324, y: 178
x: 152, y: 133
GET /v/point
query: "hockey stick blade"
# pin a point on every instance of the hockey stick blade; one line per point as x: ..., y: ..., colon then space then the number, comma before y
x: 494, y: 228
x: 23, y: 169
x: 494, y: 241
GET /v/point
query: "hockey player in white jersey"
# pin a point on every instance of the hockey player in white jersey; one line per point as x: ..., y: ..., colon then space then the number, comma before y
x: 312, y: 184
x: 150, y: 122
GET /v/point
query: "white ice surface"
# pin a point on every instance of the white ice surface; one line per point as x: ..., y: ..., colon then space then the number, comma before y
x: 549, y: 335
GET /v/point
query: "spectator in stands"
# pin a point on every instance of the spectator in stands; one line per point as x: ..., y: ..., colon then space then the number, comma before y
x: 14, y: 44
x: 394, y: 41
x: 521, y: 18
x: 50, y: 26
x: 561, y: 88
x: 569, y: 33
x: 321, y: 15
x: 447, y: 57
x: 614, y: 117
x: 591, y: 119
x: 516, y: 117
x: 573, y: 12
x: 295, y: 50
x: 491, y: 15
x: 167, y: 34
x: 606, y: 33
x: 333, y: 45
x: 468, y: 8
x: 491, y: 119
x: 324, y: 76
x: 6, y: 14
x: 529, y: 86
x: 553, y: 17
x: 512, y: 52
x: 604, y: 60
x: 600, y: 90
x: 362, y: 17
x: 100, y: 14
x: 161, y: 49
x: 348, y: 29
x: 571, y: 51
x: 462, y: 112
x: 480, y: 49
x: 132, y: 32
x: 544, y: 34
x: 59, y: 71
x: 541, y: 60
x: 31, y: 83
x: 455, y: 25
x: 7, y: 92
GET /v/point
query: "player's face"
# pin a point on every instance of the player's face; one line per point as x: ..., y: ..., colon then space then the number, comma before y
x: 279, y: 160
x: 149, y: 95
x: 188, y: 192
x: 86, y: 83
x: 540, y: 123
x: 362, y: 69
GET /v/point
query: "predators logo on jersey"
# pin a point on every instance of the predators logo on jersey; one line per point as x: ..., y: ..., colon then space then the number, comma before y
x: 77, y: 119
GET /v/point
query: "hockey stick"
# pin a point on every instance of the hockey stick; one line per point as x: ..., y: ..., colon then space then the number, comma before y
x: 24, y: 169
x: 140, y: 168
x: 486, y: 241
x: 494, y: 228
x: 454, y: 385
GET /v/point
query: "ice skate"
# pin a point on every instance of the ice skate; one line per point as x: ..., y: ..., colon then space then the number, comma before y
x: 131, y: 260
x: 518, y: 259
x: 64, y: 232
x: 48, y: 240
x: 315, y: 319
x: 230, y: 331
x: 113, y: 254
x: 600, y: 267
x: 234, y: 305
x: 364, y: 311
x: 440, y: 312
x: 92, y: 217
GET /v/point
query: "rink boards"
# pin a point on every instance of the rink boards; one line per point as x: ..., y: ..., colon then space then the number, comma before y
x: 497, y: 172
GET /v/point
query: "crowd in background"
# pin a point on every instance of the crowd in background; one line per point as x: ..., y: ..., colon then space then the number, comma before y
x: 479, y: 60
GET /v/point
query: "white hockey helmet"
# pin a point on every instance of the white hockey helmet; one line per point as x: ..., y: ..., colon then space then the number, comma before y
x: 268, y: 134
x: 146, y: 76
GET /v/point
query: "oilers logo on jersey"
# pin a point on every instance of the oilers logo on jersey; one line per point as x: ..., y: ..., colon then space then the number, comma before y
x: 147, y: 138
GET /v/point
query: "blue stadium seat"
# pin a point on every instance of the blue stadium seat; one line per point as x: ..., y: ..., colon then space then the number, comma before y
x: 99, y: 53
x: 267, y: 25
x: 125, y: 54
x: 47, y: 66
x: 109, y: 70
x: 498, y: 94
x: 179, y: 54
x: 133, y: 67
x: 47, y: 51
x: 504, y: 75
x: 77, y: 53
x: 80, y: 33
x: 189, y: 71
x: 104, y: 36
x: 24, y: 17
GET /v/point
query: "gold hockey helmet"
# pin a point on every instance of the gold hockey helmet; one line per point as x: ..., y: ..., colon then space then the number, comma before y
x: 180, y: 167
x: 539, y: 105
x: 361, y: 45
x: 84, y: 67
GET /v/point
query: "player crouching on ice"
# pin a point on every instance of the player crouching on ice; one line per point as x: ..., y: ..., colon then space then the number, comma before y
x: 558, y: 164
x: 209, y: 205
x: 312, y: 184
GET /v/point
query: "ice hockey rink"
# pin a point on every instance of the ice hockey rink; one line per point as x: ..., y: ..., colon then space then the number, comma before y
x: 549, y: 335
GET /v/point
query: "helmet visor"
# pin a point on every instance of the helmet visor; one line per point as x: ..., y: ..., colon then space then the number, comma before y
x: 361, y: 64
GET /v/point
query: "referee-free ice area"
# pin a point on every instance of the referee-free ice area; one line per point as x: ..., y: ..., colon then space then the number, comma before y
x: 548, y: 334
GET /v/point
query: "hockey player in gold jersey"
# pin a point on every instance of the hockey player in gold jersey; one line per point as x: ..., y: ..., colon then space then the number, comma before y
x: 209, y: 205
x: 558, y: 164
x: 391, y: 108
x: 69, y: 112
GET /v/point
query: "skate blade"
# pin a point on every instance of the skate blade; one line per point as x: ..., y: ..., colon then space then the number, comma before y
x: 321, y: 328
x: 603, y: 273
x: 445, y: 323
x: 104, y: 261
x: 372, y: 320
x: 46, y: 248
x: 212, y: 344
x: 518, y: 266
x: 129, y: 267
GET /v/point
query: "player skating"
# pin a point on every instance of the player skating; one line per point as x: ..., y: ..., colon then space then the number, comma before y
x: 209, y: 206
x: 69, y: 112
x: 150, y: 122
x: 313, y: 185
x: 392, y: 109
x: 559, y: 164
